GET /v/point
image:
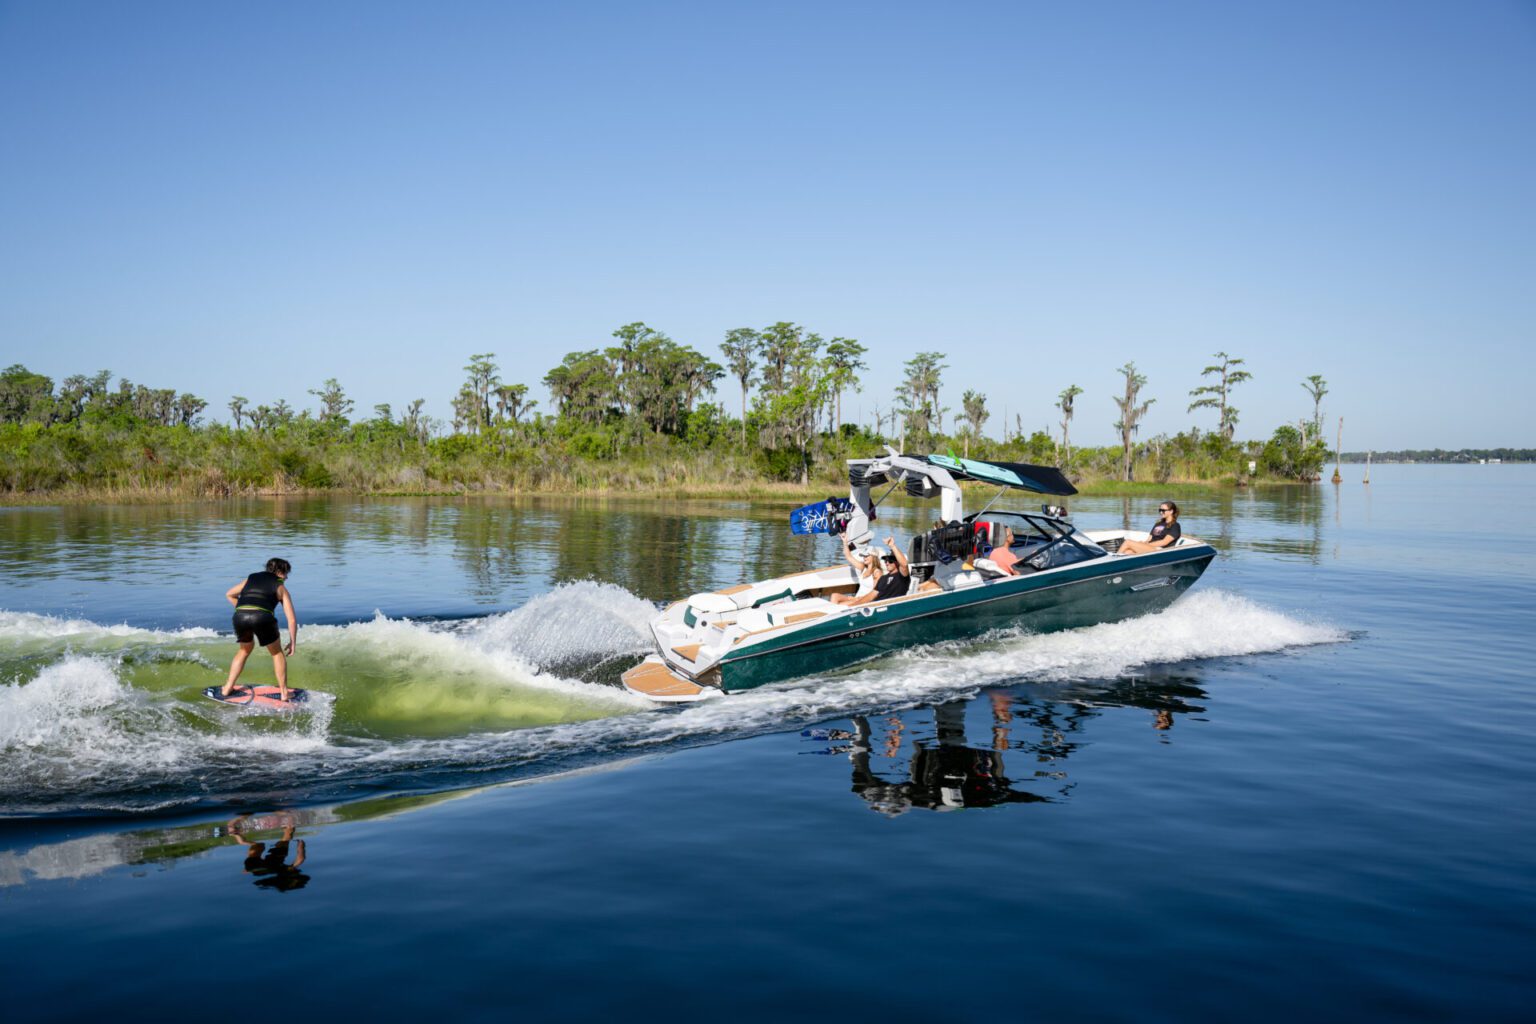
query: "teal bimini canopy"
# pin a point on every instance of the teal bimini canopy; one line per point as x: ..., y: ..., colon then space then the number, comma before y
x: 1040, y: 479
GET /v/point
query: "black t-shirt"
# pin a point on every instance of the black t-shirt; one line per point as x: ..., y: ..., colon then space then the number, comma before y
x: 892, y: 584
x: 1162, y: 530
x: 260, y: 591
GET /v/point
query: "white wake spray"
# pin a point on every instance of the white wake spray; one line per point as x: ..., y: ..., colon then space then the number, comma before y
x: 573, y: 622
x: 78, y: 734
x: 24, y: 627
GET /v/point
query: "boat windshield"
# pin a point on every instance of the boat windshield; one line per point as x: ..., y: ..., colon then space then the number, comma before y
x: 1044, y: 541
x: 1024, y: 527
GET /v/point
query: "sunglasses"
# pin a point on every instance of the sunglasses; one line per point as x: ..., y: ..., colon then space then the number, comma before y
x: 1165, y: 510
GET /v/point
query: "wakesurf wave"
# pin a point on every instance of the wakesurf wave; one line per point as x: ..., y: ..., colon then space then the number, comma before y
x: 110, y: 719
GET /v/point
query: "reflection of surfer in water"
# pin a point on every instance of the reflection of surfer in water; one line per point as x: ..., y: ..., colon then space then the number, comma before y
x: 269, y: 865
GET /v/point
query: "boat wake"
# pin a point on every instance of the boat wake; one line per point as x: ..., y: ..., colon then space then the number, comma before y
x: 109, y: 719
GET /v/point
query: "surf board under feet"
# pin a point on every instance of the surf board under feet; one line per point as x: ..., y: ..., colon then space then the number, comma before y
x: 260, y: 697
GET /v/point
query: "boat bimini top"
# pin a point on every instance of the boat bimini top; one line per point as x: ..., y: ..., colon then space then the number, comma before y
x: 927, y: 476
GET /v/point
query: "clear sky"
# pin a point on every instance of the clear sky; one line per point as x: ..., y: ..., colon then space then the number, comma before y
x: 251, y: 198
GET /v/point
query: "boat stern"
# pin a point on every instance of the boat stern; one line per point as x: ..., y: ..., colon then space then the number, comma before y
x: 653, y: 680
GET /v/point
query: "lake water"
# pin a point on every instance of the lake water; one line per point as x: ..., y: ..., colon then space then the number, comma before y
x: 1306, y: 790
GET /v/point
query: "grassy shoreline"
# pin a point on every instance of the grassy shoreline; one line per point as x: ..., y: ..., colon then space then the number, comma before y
x: 751, y: 489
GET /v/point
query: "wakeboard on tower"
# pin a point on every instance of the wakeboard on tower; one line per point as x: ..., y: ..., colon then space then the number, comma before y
x: 830, y: 516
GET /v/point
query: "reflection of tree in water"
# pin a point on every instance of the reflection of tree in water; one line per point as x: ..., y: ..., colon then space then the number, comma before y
x: 900, y: 762
x: 663, y: 550
x: 656, y: 550
x: 106, y: 542
x: 656, y: 554
x: 1280, y: 519
x: 491, y: 541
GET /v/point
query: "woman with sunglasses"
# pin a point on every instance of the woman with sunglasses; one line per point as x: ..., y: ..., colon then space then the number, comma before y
x: 865, y: 567
x: 1164, y: 533
x: 896, y: 576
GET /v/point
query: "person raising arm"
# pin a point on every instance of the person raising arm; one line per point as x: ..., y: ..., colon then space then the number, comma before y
x: 895, y: 580
x: 866, y: 568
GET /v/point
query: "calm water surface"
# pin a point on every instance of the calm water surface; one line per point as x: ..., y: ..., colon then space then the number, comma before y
x: 1307, y: 789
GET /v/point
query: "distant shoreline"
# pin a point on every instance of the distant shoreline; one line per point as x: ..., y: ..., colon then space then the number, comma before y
x: 199, y: 490
x: 753, y: 490
x: 1439, y: 457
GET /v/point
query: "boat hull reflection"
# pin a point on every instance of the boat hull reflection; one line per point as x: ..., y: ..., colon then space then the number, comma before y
x: 924, y: 759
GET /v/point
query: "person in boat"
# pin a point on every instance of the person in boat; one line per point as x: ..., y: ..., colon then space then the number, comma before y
x: 1002, y: 555
x: 866, y: 567
x: 895, y: 578
x: 255, y: 621
x: 1164, y: 533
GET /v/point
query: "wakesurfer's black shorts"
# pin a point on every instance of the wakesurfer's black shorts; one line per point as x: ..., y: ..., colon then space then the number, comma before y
x: 263, y: 625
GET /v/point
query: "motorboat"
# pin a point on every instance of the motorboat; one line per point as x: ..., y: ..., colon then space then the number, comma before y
x: 745, y: 636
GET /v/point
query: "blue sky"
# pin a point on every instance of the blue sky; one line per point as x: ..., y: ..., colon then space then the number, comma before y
x: 251, y: 198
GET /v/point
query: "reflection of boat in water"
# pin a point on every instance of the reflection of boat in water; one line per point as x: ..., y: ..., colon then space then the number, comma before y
x: 790, y: 626
x: 922, y: 759
x: 944, y: 775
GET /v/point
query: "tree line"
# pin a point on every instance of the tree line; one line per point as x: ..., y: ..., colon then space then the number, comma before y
x: 27, y: 397
x: 642, y: 405
x: 1459, y: 455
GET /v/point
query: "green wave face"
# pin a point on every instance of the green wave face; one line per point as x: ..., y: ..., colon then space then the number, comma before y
x: 398, y: 679
x: 383, y: 679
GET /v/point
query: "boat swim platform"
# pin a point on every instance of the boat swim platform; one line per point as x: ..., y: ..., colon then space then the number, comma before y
x: 653, y: 680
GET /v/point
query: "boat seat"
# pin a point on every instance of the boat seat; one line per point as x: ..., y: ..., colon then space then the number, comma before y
x: 707, y: 604
x: 954, y: 575
x: 989, y: 569
x: 787, y: 594
x: 712, y: 603
x: 754, y: 619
